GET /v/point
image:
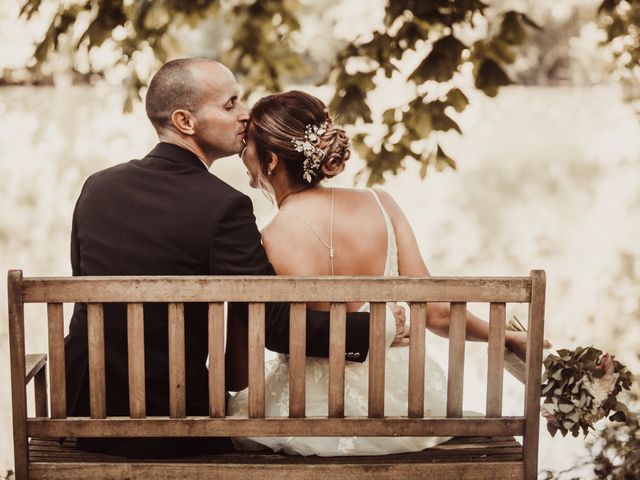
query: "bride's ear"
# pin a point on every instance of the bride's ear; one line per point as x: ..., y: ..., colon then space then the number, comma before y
x: 183, y: 121
x: 273, y: 163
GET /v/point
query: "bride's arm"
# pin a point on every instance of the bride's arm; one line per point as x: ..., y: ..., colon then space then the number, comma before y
x: 411, y: 263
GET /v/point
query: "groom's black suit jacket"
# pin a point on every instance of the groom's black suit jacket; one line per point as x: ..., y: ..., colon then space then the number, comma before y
x: 167, y: 215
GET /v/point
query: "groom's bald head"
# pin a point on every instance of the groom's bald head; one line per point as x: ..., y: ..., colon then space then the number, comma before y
x: 174, y: 87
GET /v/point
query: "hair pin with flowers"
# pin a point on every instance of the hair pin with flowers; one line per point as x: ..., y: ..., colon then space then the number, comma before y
x: 580, y: 387
x: 309, y: 148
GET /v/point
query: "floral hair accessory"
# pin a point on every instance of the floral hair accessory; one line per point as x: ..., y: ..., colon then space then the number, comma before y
x: 309, y: 148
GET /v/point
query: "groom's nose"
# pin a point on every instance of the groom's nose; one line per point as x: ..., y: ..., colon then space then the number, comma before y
x: 244, y: 113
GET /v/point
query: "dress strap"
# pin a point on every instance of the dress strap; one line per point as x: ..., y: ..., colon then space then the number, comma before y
x: 391, y: 267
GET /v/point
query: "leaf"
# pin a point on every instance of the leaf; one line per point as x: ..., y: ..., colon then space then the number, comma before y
x: 439, y: 119
x: 389, y: 116
x: 441, y: 63
x: 501, y: 51
x: 552, y: 429
x: 547, y: 388
x: 443, y: 159
x: 511, y: 29
x: 359, y: 145
x: 423, y: 170
x: 618, y: 417
x: 566, y: 407
x: 411, y: 32
x: 527, y: 20
x: 29, y: 8
x: 418, y: 119
x: 457, y: 99
x: 350, y: 104
x: 490, y: 77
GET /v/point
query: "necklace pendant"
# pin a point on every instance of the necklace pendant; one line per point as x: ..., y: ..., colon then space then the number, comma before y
x: 331, y: 252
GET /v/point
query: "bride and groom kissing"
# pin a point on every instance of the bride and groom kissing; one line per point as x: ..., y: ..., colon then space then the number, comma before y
x: 165, y: 214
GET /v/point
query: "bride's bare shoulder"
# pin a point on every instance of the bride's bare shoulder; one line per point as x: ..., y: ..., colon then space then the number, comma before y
x: 280, y: 232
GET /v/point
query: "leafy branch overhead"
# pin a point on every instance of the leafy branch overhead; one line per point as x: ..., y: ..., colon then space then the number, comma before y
x: 258, y: 42
x: 432, y: 28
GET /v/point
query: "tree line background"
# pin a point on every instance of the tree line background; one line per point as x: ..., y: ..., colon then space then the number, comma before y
x: 443, y: 49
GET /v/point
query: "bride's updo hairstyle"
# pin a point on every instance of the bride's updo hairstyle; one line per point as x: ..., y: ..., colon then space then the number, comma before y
x: 278, y: 121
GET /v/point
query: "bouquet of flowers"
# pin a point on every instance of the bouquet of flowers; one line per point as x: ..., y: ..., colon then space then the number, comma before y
x: 580, y: 387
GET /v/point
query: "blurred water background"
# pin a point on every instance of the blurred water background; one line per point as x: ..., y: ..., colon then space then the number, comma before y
x: 548, y: 178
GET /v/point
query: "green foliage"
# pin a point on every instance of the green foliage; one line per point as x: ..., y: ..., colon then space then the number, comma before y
x: 613, y: 449
x: 430, y: 27
x: 620, y: 19
x: 263, y: 54
x: 616, y: 449
x: 261, y: 51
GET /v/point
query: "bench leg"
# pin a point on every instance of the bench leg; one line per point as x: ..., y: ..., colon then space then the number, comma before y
x: 18, y: 389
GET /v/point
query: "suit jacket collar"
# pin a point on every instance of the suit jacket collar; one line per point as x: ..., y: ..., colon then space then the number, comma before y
x: 174, y: 153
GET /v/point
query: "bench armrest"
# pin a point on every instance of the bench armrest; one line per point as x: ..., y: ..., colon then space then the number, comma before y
x: 34, y: 362
x: 514, y: 365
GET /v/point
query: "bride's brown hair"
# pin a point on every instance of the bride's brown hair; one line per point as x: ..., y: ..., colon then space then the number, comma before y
x: 278, y: 119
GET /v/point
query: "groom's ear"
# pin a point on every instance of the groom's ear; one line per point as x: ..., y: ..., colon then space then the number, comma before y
x: 183, y: 121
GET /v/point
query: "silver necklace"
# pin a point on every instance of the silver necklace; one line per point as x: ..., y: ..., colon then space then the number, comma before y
x: 329, y: 245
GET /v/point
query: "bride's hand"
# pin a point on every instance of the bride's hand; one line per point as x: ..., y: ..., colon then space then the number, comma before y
x: 402, y: 331
x: 517, y: 343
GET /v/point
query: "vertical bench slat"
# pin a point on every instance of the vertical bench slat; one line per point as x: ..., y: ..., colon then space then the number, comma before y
x: 417, y: 335
x: 535, y: 338
x: 18, y: 373
x: 297, y: 360
x: 495, y: 373
x: 40, y: 391
x: 95, y: 333
x: 337, y: 340
x: 57, y: 379
x: 216, y: 360
x: 177, y: 398
x: 376, y: 359
x: 256, y: 360
x: 457, y: 333
x: 135, y: 344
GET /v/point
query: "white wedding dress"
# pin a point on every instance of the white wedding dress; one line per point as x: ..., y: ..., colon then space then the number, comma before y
x: 355, y: 393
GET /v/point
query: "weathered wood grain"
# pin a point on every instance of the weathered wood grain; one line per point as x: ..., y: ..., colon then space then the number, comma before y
x: 57, y: 375
x: 276, y: 289
x: 135, y: 349
x: 297, y: 360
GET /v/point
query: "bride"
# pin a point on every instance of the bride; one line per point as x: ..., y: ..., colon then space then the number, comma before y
x: 292, y: 145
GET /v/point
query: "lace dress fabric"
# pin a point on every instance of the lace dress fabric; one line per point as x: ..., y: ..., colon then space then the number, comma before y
x: 356, y: 392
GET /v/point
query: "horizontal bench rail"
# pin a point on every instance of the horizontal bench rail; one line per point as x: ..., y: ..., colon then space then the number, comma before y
x: 299, y: 427
x: 276, y: 289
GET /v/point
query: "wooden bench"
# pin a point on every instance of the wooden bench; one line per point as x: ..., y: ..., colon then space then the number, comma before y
x: 483, y: 447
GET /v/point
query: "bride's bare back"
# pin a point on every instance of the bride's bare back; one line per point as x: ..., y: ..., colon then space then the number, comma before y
x: 299, y: 247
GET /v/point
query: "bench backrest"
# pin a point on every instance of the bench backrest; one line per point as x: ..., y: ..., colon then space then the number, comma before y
x: 134, y: 291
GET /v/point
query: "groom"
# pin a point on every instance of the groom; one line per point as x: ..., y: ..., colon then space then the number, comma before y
x: 165, y: 214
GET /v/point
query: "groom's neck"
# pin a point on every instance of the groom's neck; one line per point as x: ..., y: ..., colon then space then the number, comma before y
x: 187, y: 144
